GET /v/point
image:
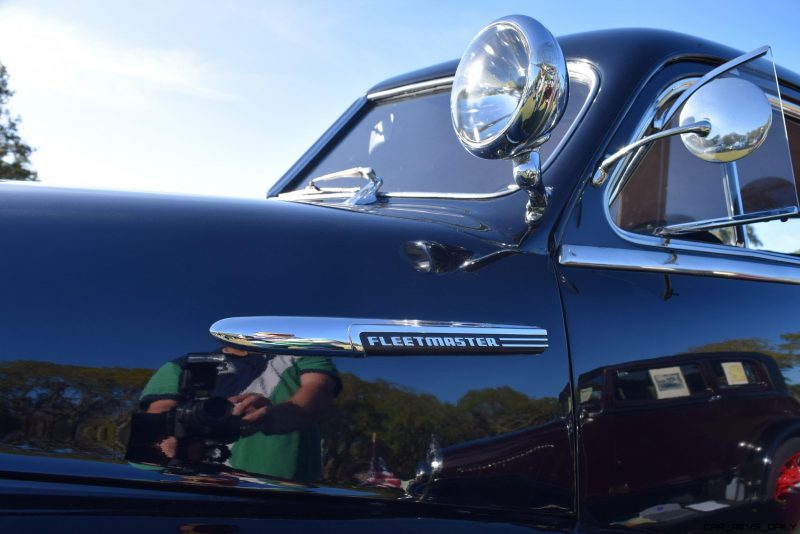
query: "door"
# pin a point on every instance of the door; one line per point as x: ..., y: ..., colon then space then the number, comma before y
x: 637, y: 300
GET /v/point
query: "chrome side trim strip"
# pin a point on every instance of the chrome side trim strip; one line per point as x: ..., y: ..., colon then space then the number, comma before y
x: 675, y: 262
x: 341, y: 336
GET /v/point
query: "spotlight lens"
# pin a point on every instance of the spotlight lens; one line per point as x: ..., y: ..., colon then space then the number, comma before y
x: 490, y: 83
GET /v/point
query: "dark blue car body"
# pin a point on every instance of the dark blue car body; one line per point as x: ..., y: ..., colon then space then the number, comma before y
x: 100, y: 288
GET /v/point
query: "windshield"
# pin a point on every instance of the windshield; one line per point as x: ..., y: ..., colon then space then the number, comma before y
x: 411, y: 145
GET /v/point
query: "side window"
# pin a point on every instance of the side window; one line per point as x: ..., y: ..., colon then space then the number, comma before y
x: 737, y: 373
x: 591, y: 388
x: 659, y: 383
x: 410, y: 144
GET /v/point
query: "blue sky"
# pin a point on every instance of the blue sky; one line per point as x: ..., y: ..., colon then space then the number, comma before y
x: 221, y: 97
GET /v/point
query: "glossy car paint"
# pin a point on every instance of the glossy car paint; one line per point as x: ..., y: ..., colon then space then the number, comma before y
x: 98, y: 283
x: 127, y: 295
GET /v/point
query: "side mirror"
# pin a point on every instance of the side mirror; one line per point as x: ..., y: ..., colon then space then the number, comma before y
x: 695, y: 122
x: 739, y: 116
x: 725, y: 116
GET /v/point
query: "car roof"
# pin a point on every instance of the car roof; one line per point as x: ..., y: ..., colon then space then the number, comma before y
x: 635, y: 51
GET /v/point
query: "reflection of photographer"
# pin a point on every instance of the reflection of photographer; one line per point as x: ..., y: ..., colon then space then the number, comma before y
x: 255, y: 412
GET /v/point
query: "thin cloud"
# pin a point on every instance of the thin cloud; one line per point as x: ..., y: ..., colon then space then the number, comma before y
x: 45, y: 54
x: 308, y: 26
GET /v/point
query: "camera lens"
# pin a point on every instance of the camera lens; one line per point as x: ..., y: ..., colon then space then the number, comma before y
x: 215, y: 408
x: 200, y: 417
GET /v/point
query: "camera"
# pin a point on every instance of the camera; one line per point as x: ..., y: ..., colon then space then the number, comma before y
x: 202, y: 425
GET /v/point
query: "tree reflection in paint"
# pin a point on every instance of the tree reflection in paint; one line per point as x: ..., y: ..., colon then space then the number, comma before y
x: 405, y: 422
x: 786, y: 354
x: 67, y: 409
x: 85, y: 412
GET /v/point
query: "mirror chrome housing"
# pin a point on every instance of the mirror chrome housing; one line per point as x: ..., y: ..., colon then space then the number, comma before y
x: 739, y: 114
x: 509, y: 92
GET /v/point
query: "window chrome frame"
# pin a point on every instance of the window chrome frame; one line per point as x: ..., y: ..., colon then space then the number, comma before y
x: 579, y: 68
x: 672, y: 244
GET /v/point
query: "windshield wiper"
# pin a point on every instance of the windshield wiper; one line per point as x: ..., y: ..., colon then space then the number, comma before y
x: 367, y: 194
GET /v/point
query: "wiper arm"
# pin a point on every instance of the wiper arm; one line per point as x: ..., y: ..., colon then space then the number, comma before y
x: 367, y: 194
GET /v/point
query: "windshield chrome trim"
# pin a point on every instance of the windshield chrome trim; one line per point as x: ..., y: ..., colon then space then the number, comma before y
x: 578, y: 68
x: 623, y: 169
x: 672, y: 261
x: 412, y: 89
